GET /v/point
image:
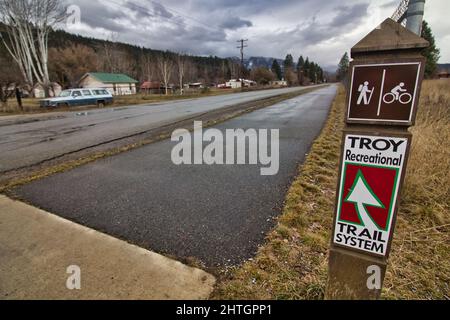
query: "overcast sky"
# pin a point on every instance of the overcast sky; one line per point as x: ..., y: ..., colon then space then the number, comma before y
x: 320, y: 29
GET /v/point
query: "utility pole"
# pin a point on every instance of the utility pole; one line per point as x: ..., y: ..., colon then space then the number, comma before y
x: 414, y: 16
x: 243, y: 45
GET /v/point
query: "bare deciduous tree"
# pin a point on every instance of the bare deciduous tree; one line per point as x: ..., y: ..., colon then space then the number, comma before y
x: 148, y: 67
x: 182, y: 62
x: 10, y: 78
x: 165, y: 67
x: 28, y: 24
x: 70, y: 63
x: 235, y: 69
x: 111, y: 53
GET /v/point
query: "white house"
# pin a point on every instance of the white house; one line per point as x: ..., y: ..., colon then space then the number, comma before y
x: 279, y: 83
x: 39, y: 92
x: 116, y: 84
x: 237, y: 83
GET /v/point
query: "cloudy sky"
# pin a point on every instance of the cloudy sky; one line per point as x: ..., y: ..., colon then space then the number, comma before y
x: 320, y: 29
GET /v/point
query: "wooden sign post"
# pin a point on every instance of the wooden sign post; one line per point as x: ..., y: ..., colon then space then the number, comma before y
x: 386, y: 76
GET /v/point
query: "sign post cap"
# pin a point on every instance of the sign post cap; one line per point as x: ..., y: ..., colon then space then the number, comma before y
x: 389, y: 36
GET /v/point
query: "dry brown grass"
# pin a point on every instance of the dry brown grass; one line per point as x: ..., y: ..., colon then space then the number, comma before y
x: 419, y: 267
x: 293, y: 262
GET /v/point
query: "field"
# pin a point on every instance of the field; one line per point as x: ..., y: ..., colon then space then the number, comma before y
x: 420, y: 263
x: 292, y: 264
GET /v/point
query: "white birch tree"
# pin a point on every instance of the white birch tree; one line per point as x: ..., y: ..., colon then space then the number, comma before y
x: 28, y: 24
x: 181, y: 66
x: 165, y: 67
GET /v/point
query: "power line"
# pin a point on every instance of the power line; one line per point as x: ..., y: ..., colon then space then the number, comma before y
x: 242, y: 46
x: 146, y: 11
x: 186, y: 16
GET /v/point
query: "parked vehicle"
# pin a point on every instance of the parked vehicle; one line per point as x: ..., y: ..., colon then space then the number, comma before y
x: 79, y: 97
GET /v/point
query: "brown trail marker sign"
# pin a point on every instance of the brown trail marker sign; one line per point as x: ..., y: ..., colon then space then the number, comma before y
x: 371, y: 175
x: 383, y: 96
x: 385, y: 92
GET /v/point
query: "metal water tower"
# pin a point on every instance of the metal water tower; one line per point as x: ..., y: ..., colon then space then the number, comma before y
x: 414, y: 16
x: 410, y: 14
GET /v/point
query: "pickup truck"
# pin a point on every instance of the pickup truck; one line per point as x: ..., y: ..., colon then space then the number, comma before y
x: 79, y: 97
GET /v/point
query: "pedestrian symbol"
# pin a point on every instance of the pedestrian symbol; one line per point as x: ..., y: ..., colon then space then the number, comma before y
x: 365, y: 95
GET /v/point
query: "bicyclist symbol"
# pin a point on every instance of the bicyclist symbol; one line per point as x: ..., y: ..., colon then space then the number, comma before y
x: 399, y: 93
x: 384, y: 92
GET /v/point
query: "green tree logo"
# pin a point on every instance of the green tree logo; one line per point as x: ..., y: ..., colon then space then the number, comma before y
x: 362, y: 195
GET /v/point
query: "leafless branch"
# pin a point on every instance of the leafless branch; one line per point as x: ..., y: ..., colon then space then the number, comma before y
x: 28, y: 24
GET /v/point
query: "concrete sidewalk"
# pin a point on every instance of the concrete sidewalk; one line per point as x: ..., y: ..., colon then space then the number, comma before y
x: 36, y: 248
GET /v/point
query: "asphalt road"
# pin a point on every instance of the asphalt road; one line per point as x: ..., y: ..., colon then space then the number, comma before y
x: 217, y: 214
x: 28, y: 140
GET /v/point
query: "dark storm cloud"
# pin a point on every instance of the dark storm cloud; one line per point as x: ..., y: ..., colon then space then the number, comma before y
x: 346, y: 15
x: 234, y: 23
x: 254, y: 6
x: 392, y: 4
x: 140, y: 12
x: 212, y: 26
x: 97, y: 15
x: 160, y: 10
x: 316, y: 30
x: 206, y: 26
x: 147, y: 9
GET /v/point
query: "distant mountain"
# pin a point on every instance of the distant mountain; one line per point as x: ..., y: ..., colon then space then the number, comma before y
x: 255, y: 62
x: 443, y: 67
x: 330, y: 68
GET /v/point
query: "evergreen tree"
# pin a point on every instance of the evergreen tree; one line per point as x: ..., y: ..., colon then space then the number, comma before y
x: 316, y: 72
x: 321, y: 75
x: 343, y: 67
x: 301, y: 63
x: 432, y: 52
x: 301, y: 70
x: 307, y: 67
x: 313, y: 72
x: 276, y: 69
x: 289, y: 62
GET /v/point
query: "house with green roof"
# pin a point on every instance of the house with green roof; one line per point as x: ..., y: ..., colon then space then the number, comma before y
x: 116, y: 83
